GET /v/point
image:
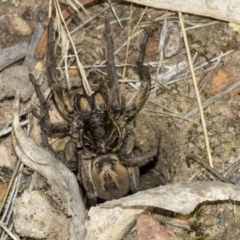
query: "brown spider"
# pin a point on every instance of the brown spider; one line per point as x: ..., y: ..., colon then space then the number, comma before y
x: 104, y: 157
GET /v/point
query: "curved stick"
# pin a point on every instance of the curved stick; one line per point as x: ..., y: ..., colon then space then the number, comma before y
x: 60, y: 178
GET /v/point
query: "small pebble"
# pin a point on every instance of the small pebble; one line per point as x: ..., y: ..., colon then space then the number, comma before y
x: 152, y: 47
x: 149, y: 229
x: 172, y: 40
x: 19, y: 27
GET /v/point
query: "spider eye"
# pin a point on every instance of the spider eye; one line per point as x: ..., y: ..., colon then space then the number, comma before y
x: 85, y: 106
x: 99, y: 102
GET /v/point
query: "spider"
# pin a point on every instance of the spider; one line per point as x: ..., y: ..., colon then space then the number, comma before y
x: 103, y: 153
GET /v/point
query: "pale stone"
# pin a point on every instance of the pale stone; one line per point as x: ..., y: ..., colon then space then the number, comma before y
x: 19, y: 27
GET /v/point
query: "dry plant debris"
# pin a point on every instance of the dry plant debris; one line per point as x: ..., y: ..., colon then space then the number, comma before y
x: 214, y: 47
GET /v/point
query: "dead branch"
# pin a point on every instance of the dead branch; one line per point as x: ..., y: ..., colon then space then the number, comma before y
x: 12, y: 54
x: 30, y: 59
x: 188, y: 194
x: 219, y: 9
x: 60, y: 178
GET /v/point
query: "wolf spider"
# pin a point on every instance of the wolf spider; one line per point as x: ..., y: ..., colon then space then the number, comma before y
x: 103, y: 153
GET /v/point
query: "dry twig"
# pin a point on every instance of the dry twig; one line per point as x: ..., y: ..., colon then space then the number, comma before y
x: 12, y: 54
x: 206, y: 166
x: 30, y: 59
x: 2, y: 225
x: 60, y: 178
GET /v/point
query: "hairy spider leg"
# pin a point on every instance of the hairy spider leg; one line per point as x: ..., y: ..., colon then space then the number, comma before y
x: 139, y: 160
x: 50, y: 61
x: 44, y: 118
x: 44, y: 106
x: 113, y: 138
x: 142, y: 94
x: 85, y: 177
x: 112, y: 83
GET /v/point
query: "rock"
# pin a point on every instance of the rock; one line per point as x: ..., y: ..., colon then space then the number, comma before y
x: 19, y: 27
x: 172, y: 40
x: 222, y: 78
x: 149, y: 229
x: 152, y: 47
x: 13, y: 79
x: 110, y: 223
x: 7, y: 155
x: 35, y: 217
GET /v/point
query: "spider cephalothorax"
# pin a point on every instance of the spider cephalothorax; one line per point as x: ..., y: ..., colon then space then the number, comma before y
x: 100, y: 132
x: 103, y: 153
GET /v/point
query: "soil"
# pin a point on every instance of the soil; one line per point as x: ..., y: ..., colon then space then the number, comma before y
x: 160, y: 122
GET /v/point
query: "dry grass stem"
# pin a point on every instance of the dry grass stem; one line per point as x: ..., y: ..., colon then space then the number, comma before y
x: 115, y: 14
x: 196, y: 90
x: 75, y: 4
x: 11, y: 196
x: 90, y: 19
x: 161, y: 46
x: 169, y: 114
x: 207, y: 167
x: 212, y: 99
x: 177, y: 71
x: 86, y: 85
x: 128, y: 40
x: 200, y: 25
x: 7, y: 130
x: 125, y: 43
x: 13, y: 178
x: 3, y: 226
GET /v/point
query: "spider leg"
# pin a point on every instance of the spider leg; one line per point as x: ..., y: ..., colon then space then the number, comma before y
x: 70, y: 155
x: 133, y: 171
x: 112, y: 84
x: 50, y: 61
x: 142, y: 94
x: 82, y: 145
x: 127, y: 144
x: 44, y: 118
x: 119, y: 135
x: 85, y: 177
x: 139, y: 160
x: 134, y: 178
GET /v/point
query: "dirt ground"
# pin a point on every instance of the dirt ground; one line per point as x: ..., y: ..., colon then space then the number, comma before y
x: 215, y: 50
